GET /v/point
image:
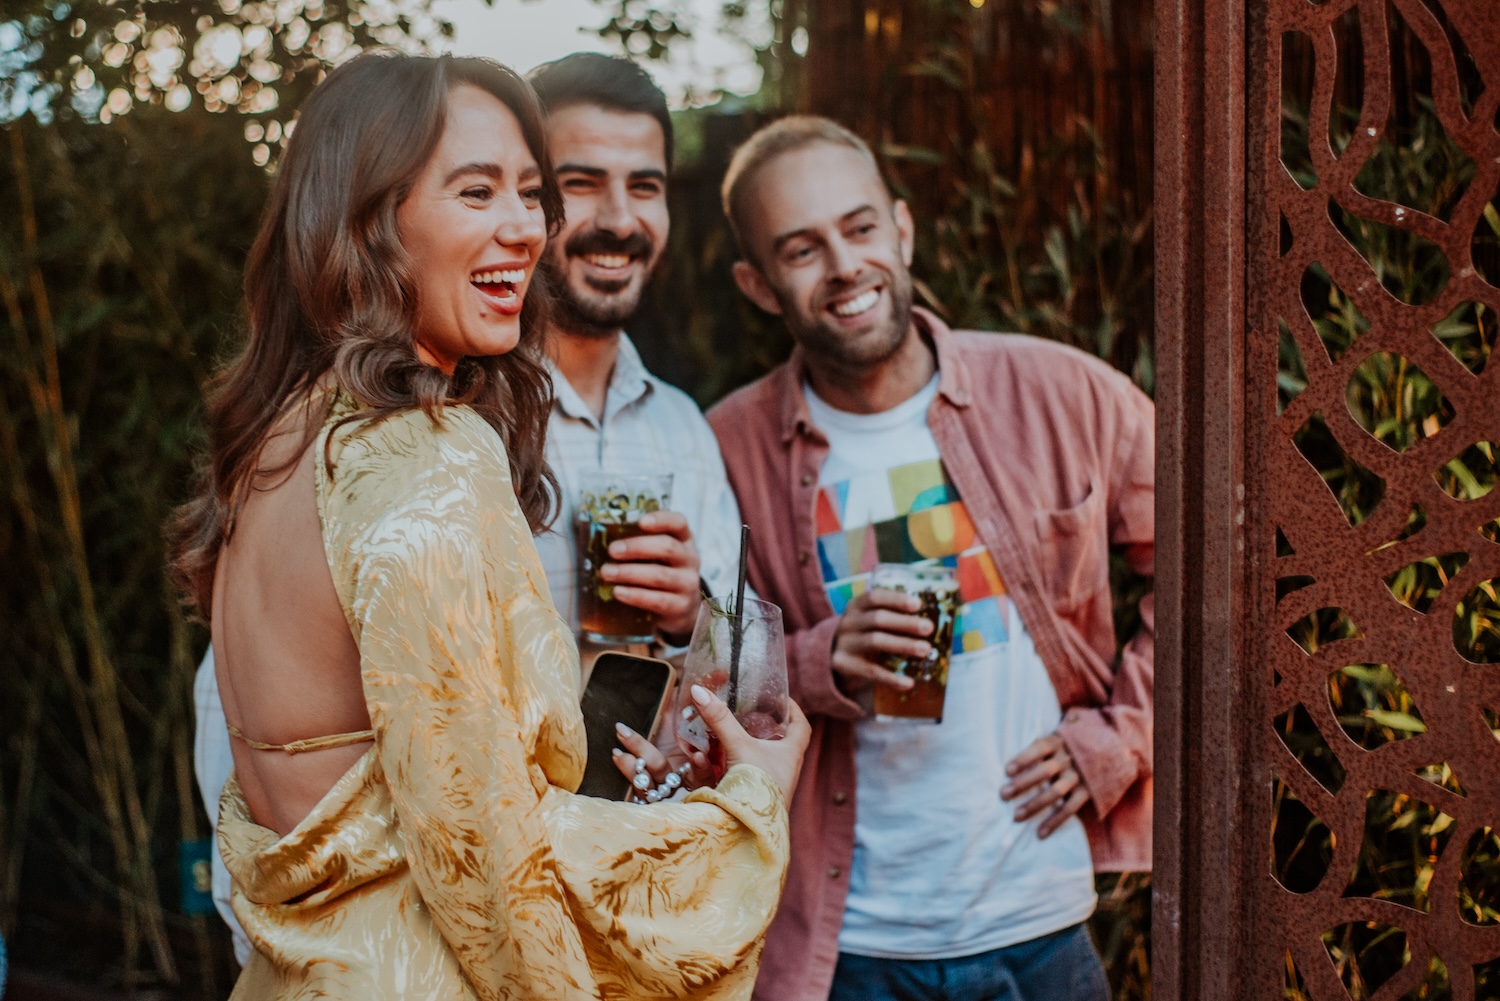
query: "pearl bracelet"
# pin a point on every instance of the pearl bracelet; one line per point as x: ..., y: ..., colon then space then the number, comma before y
x: 644, y: 792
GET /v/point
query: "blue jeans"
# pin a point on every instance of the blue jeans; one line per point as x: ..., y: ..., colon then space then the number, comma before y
x: 1062, y: 966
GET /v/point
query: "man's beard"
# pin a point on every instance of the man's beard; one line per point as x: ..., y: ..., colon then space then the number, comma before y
x: 591, y: 307
x: 855, y: 353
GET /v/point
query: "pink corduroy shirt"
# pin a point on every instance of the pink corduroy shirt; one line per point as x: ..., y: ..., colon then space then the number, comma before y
x: 1053, y: 452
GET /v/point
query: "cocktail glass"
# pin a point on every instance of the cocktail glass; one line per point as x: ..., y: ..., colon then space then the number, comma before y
x: 758, y: 696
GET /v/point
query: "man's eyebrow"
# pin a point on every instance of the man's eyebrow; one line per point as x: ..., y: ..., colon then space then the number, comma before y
x: 786, y: 238
x: 649, y: 174
x: 581, y: 168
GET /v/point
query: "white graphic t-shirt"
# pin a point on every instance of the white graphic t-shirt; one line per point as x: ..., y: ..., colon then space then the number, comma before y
x: 941, y: 868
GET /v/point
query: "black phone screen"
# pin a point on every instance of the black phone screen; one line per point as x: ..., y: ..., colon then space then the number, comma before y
x: 623, y: 688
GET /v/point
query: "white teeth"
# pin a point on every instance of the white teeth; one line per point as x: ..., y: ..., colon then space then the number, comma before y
x: 608, y: 260
x: 858, y: 304
x: 496, y: 277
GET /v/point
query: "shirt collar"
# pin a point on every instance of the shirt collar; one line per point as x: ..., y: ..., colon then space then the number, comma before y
x: 953, y: 377
x: 628, y: 383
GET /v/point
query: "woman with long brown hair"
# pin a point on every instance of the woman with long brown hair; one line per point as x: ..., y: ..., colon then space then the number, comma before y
x: 401, y: 695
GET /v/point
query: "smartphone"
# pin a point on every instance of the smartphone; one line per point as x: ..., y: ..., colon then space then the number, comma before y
x: 623, y: 688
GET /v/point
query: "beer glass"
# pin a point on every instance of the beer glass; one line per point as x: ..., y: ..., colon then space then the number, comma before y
x: 610, y: 506
x: 937, y: 587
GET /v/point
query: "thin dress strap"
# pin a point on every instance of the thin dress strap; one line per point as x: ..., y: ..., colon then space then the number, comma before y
x: 310, y: 744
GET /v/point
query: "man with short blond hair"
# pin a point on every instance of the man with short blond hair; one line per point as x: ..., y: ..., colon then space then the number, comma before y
x: 952, y: 862
x: 785, y: 135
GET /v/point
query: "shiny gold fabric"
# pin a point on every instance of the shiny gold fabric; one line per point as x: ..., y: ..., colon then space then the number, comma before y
x: 453, y: 860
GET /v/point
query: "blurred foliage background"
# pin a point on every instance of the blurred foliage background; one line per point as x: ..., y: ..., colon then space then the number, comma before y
x: 137, y: 143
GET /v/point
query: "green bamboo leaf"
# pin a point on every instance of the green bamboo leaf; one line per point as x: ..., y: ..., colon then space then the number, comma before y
x: 1405, y: 820
x: 1465, y: 478
x: 1396, y: 720
x: 913, y: 154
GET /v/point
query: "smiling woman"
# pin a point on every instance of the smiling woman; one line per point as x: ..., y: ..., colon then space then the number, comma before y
x: 477, y: 226
x: 402, y: 695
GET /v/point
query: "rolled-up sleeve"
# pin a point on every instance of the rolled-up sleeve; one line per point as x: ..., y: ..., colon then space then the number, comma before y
x: 1111, y: 744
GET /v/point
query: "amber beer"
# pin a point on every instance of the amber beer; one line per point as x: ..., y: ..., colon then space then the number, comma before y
x: 937, y: 587
x: 609, y: 509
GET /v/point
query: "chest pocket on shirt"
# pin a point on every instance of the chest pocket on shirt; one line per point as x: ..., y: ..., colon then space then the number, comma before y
x: 1074, y: 553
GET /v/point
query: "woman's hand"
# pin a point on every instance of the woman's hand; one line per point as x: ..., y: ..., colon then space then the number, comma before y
x: 636, y: 756
x: 781, y: 759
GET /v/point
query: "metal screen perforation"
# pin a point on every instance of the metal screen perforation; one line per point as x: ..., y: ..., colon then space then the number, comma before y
x: 1381, y: 485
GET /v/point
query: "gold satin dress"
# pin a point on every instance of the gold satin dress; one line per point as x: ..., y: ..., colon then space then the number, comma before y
x: 454, y: 860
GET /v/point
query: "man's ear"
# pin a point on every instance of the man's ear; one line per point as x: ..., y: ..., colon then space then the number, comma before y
x: 751, y: 282
x: 906, y: 230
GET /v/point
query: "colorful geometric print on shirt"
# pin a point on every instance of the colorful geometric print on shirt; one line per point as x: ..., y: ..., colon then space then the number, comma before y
x: 909, y: 514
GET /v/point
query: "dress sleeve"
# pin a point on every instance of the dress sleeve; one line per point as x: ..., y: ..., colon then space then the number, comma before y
x: 471, y: 681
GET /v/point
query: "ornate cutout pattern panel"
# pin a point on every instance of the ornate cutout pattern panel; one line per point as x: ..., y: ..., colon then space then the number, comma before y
x: 1374, y: 294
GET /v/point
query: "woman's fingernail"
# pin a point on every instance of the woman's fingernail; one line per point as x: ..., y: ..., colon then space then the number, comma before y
x: 624, y: 730
x: 617, y: 549
x: 701, y: 695
x: 618, y: 753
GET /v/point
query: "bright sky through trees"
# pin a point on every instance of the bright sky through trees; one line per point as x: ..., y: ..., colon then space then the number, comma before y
x: 525, y: 33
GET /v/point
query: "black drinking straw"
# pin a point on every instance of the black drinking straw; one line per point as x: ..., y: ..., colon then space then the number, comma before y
x: 737, y: 625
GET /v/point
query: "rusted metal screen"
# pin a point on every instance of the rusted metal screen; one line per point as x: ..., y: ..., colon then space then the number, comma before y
x: 1329, y: 694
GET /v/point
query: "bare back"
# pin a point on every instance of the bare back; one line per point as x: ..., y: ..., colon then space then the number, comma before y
x: 287, y: 665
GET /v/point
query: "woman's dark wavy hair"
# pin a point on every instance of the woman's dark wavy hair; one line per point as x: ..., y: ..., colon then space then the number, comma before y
x: 331, y: 293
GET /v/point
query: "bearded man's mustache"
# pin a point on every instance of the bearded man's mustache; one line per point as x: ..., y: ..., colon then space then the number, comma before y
x: 598, y: 241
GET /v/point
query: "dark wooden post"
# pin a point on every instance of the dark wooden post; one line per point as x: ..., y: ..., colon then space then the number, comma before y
x: 1204, y: 838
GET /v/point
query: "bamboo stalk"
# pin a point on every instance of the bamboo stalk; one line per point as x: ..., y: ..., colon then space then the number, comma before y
x: 180, y: 657
x: 13, y: 828
x: 117, y: 782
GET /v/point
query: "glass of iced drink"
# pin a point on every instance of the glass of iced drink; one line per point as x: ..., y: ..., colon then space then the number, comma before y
x: 937, y: 587
x: 758, y: 695
x: 610, y: 506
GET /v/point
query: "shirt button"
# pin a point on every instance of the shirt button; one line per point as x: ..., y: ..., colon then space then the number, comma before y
x: 835, y: 872
x: 807, y: 479
x: 840, y: 798
x: 802, y: 557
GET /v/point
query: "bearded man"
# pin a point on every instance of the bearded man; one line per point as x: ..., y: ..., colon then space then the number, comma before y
x: 948, y: 862
x: 610, y: 137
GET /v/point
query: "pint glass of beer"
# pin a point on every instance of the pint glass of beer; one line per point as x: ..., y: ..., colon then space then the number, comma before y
x: 937, y: 587
x: 610, y: 506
